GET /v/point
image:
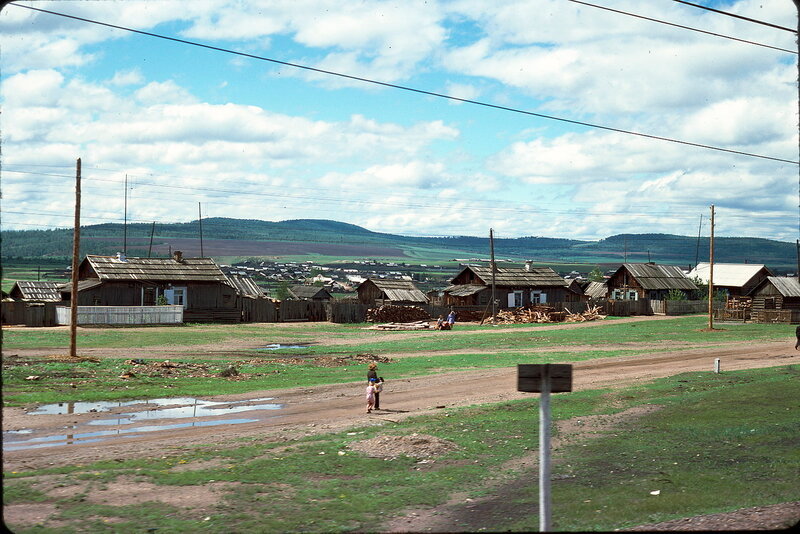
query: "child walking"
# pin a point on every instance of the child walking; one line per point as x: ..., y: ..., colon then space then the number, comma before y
x: 371, y: 390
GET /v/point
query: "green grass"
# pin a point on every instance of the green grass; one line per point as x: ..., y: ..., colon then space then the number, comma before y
x: 720, y: 442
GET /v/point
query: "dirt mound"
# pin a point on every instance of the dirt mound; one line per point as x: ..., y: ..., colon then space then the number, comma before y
x: 414, y: 445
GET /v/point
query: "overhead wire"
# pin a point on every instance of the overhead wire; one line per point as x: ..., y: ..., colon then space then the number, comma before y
x: 683, y: 27
x: 414, y: 90
x: 734, y: 15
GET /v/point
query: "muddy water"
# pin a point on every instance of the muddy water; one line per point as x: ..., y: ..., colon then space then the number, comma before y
x: 129, y: 423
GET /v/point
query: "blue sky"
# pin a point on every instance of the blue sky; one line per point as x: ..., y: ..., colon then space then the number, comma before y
x: 251, y: 139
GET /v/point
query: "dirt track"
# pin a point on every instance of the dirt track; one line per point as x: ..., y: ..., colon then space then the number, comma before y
x: 325, y: 408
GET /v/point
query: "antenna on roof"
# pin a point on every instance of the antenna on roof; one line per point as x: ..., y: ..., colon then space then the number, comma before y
x: 697, y: 248
x: 152, y: 231
x: 125, y: 220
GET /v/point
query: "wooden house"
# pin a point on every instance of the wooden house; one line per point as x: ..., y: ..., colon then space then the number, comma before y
x: 197, y: 284
x: 36, y: 291
x: 304, y: 292
x: 736, y: 279
x: 380, y: 291
x: 636, y: 281
x: 514, y: 287
x: 776, y: 299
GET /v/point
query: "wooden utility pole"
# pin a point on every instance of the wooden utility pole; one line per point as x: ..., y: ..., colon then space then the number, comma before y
x: 152, y: 231
x: 711, y: 275
x: 494, y: 268
x: 125, y: 221
x: 200, y: 220
x: 76, y: 240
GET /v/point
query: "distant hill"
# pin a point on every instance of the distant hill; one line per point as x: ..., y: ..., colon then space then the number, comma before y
x: 232, y: 238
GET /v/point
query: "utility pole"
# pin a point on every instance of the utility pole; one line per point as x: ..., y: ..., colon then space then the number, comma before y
x: 494, y: 268
x: 200, y: 220
x: 125, y: 220
x: 76, y: 239
x: 152, y: 231
x: 711, y: 275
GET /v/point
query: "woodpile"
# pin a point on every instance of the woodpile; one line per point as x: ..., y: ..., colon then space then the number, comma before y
x: 592, y: 314
x: 415, y: 325
x: 396, y: 314
x: 544, y: 314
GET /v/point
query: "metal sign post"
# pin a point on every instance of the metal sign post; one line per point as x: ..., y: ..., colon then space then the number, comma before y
x: 544, y: 379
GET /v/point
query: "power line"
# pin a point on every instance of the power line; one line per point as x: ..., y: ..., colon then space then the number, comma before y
x: 698, y: 6
x: 414, y: 90
x: 683, y: 27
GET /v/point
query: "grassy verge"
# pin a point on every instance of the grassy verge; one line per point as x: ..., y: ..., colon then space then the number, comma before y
x: 719, y: 443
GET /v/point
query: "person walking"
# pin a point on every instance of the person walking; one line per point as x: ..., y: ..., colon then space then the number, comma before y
x: 371, y: 395
x: 373, y: 374
x: 797, y: 333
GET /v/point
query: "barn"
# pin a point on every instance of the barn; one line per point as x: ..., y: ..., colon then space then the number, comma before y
x: 197, y: 284
x: 304, y: 292
x: 36, y: 291
x: 776, y: 300
x: 736, y: 279
x: 636, y: 281
x: 514, y: 287
x: 379, y: 291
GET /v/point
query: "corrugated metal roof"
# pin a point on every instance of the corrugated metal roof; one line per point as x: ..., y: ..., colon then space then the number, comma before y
x: 160, y: 269
x: 651, y: 276
x: 465, y: 290
x: 727, y: 274
x: 399, y: 290
x: 245, y: 286
x: 518, y: 277
x: 596, y: 290
x: 788, y: 287
x: 38, y: 290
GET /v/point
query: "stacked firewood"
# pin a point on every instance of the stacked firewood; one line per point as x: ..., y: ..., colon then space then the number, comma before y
x: 532, y: 314
x: 396, y: 314
x: 591, y: 314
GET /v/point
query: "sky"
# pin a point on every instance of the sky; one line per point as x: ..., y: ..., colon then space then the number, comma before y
x: 539, y: 138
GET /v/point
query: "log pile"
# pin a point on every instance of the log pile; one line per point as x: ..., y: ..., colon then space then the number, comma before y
x: 415, y: 325
x: 396, y: 314
x: 591, y: 314
x: 545, y: 314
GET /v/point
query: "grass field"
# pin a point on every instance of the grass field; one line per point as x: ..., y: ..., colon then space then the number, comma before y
x: 719, y: 442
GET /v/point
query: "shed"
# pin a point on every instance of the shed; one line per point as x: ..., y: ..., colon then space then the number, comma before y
x: 634, y: 281
x: 776, y: 299
x: 381, y: 291
x: 514, y: 287
x: 595, y: 290
x: 736, y: 279
x: 304, y: 292
x: 36, y: 291
x: 197, y: 284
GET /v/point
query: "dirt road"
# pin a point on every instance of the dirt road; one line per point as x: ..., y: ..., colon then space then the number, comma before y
x: 326, y: 408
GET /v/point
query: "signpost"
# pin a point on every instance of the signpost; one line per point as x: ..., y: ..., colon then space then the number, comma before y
x: 544, y: 379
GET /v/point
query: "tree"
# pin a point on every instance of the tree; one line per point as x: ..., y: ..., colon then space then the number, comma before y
x: 282, y: 291
x: 596, y: 275
x: 675, y: 294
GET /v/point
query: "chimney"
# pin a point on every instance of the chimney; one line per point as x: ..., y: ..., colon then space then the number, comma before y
x: 178, y: 256
x: 528, y: 265
x: 121, y: 256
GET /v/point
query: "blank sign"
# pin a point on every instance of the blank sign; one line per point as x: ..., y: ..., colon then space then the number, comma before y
x: 529, y: 377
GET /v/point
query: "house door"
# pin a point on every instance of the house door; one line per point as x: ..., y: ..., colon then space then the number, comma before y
x: 149, y: 295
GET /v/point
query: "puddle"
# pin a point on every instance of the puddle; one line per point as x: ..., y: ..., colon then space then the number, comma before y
x: 89, y: 437
x: 174, y: 408
x: 278, y: 346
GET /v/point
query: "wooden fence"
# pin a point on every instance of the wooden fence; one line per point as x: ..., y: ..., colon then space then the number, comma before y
x: 259, y: 311
x: 121, y: 315
x: 347, y: 311
x: 28, y: 313
x: 776, y: 316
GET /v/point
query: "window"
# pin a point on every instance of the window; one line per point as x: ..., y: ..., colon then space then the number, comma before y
x: 537, y: 297
x: 515, y: 299
x: 176, y: 296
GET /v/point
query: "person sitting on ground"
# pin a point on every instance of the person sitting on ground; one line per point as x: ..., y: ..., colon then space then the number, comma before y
x: 439, y: 322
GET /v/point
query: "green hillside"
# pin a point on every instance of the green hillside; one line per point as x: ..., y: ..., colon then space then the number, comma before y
x: 326, y: 240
